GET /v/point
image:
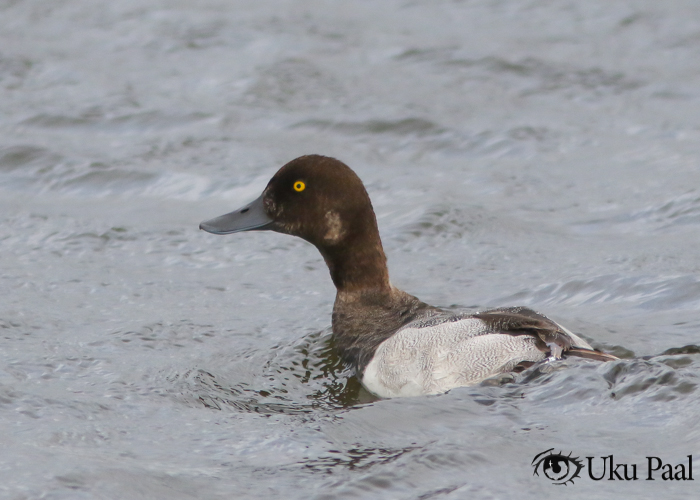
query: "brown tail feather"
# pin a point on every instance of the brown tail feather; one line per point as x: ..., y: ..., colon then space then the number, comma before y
x: 589, y: 354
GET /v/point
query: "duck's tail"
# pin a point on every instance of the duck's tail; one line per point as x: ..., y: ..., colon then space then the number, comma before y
x: 580, y: 352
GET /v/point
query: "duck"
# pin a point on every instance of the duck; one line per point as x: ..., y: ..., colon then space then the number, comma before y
x: 397, y: 345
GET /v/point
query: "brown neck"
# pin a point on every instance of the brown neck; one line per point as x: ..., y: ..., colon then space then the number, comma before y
x: 357, y: 263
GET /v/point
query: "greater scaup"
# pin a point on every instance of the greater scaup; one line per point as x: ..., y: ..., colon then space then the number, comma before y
x: 397, y: 345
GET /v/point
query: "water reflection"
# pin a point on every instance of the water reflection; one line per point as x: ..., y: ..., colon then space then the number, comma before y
x: 310, y: 363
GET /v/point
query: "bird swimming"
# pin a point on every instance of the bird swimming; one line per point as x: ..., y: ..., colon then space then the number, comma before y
x: 396, y: 344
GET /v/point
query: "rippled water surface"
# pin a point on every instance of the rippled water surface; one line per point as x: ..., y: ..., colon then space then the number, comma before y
x: 539, y: 153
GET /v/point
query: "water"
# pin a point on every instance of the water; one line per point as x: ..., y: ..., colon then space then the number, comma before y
x: 517, y: 153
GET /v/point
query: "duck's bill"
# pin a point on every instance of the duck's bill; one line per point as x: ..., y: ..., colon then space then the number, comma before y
x: 252, y: 217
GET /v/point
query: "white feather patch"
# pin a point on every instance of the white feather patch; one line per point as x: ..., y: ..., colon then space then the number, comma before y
x: 435, y: 359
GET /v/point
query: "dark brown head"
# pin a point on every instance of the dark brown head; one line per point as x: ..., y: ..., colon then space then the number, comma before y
x: 321, y: 200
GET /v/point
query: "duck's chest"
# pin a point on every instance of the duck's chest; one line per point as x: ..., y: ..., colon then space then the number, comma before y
x: 362, y: 323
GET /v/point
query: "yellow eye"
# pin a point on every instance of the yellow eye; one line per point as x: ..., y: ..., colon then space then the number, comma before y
x: 299, y: 186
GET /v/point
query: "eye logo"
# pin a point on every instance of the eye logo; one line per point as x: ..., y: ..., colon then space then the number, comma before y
x: 558, y: 468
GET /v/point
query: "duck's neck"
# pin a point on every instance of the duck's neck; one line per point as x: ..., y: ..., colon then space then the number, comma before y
x: 358, y: 264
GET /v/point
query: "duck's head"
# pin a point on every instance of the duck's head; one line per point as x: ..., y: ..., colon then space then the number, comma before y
x: 321, y: 200
x: 317, y: 198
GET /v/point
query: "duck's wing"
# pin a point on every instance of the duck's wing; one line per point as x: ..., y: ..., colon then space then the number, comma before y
x: 554, y: 339
x: 438, y: 353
